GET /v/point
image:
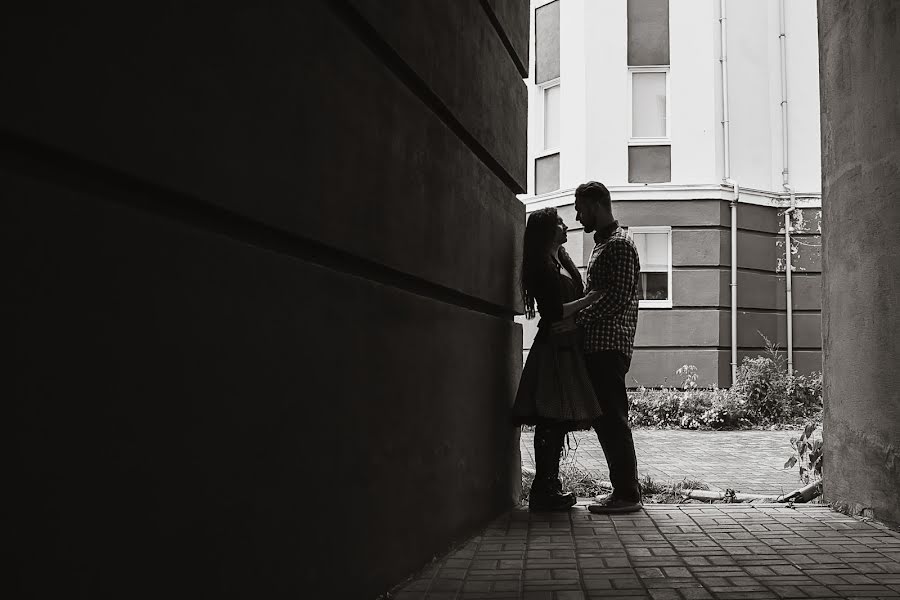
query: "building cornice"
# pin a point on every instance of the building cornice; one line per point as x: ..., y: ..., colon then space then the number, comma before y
x: 626, y: 193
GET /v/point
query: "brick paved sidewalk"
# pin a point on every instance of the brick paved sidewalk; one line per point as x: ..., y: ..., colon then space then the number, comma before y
x: 669, y: 552
x: 747, y: 461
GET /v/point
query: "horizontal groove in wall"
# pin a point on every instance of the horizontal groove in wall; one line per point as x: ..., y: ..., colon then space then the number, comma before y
x: 727, y: 228
x: 395, y: 63
x: 741, y: 310
x: 501, y: 33
x: 727, y: 269
x: 56, y: 167
x: 723, y: 228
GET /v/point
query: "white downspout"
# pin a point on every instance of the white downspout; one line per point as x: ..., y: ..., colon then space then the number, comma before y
x: 785, y: 176
x: 787, y: 279
x: 723, y: 60
x: 726, y: 132
x: 734, y: 283
x: 784, y: 102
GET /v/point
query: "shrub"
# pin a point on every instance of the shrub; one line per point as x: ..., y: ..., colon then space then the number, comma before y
x: 808, y: 455
x: 765, y: 393
x: 775, y: 396
x: 687, y: 407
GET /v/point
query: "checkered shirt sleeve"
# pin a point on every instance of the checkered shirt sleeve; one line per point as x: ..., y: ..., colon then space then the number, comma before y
x: 610, y: 323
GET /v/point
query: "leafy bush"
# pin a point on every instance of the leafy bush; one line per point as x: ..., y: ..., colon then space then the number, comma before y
x: 687, y: 407
x: 775, y: 396
x: 808, y: 454
x: 765, y: 393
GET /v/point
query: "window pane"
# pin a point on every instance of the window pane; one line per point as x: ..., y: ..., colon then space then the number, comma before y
x: 654, y: 286
x: 649, y: 164
x: 648, y: 105
x: 575, y: 248
x: 648, y: 32
x: 546, y: 42
x: 551, y: 117
x: 640, y: 242
x: 653, y: 250
x: 546, y: 174
x: 648, y: 248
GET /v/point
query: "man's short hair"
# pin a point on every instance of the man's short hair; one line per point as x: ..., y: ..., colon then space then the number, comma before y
x: 595, y: 191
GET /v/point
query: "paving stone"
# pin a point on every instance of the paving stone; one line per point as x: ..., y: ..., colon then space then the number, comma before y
x: 446, y: 573
x: 506, y: 586
x: 538, y: 595
x: 477, y: 586
x: 418, y: 585
x: 671, y: 582
x: 645, y: 572
x: 409, y: 595
x: 665, y: 594
x: 445, y: 585
x: 570, y: 595
x: 787, y: 591
x: 553, y: 584
x: 714, y: 553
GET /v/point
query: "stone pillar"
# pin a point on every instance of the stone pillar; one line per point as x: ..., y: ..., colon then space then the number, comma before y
x: 259, y: 278
x: 860, y: 91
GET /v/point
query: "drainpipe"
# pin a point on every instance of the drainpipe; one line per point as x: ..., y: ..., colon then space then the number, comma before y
x: 723, y: 60
x: 787, y: 279
x: 785, y: 177
x: 726, y: 145
x: 784, y: 101
x: 734, y: 283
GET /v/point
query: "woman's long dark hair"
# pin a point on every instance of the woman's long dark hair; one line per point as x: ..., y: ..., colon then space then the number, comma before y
x: 540, y: 232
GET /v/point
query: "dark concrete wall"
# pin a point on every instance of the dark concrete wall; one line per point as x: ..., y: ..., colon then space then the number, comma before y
x: 260, y: 270
x: 697, y: 329
x: 860, y: 87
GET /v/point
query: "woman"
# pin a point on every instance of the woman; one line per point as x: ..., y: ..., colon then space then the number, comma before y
x: 555, y: 392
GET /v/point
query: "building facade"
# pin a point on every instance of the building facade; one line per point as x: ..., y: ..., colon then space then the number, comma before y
x: 702, y: 118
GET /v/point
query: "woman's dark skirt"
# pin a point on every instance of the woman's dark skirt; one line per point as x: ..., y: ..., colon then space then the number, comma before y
x: 555, y: 388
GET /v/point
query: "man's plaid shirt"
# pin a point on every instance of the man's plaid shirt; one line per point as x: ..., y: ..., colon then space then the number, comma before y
x: 614, y: 269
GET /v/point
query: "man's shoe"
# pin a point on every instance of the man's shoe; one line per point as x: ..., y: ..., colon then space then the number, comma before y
x: 615, y: 506
x: 551, y: 502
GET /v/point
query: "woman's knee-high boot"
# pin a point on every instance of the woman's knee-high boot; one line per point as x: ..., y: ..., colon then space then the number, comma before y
x: 546, y: 491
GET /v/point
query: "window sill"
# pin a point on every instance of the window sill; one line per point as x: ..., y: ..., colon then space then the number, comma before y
x: 654, y: 304
x: 660, y: 141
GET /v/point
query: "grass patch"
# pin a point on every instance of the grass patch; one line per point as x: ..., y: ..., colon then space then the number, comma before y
x: 583, y: 484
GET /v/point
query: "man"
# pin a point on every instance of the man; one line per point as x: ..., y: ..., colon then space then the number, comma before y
x: 609, y: 325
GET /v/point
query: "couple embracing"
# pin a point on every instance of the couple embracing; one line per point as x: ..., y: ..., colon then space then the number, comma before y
x: 574, y: 377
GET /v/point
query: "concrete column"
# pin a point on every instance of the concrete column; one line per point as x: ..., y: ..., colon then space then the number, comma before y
x: 860, y: 88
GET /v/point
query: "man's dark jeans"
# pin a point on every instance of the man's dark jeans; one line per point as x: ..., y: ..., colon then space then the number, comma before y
x: 607, y: 371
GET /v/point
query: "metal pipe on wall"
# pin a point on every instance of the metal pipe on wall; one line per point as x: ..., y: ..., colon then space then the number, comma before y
x: 726, y: 144
x: 784, y: 101
x: 723, y: 60
x: 785, y: 176
x: 787, y: 279
x: 734, y: 283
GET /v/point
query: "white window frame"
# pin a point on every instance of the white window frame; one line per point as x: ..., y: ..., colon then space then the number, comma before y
x: 667, y: 303
x: 540, y: 152
x: 543, y: 152
x: 542, y: 93
x: 650, y: 141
